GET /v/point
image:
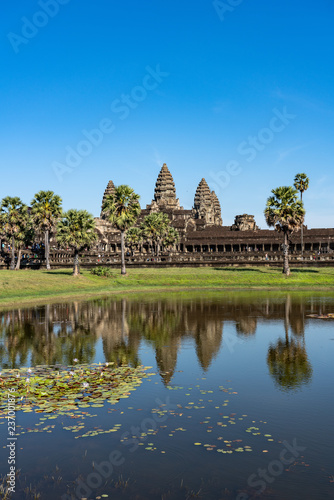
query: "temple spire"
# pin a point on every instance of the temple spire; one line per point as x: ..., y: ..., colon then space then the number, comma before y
x: 110, y: 189
x: 165, y: 193
x: 206, y: 205
x: 216, y: 209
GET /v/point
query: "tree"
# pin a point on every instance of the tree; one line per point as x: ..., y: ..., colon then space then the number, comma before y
x: 155, y: 228
x: 171, y: 238
x: 286, y: 214
x: 24, y: 238
x: 301, y: 183
x: 13, y: 219
x: 134, y: 238
x: 76, y: 230
x: 122, y: 210
x: 46, y: 211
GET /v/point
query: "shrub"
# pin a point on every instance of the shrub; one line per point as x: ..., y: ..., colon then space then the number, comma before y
x: 101, y: 271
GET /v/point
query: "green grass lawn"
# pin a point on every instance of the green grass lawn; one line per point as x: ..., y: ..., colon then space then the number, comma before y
x: 27, y: 286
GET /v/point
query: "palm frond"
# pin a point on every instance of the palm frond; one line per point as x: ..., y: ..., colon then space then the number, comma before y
x: 76, y: 230
x: 284, y: 211
x: 122, y: 208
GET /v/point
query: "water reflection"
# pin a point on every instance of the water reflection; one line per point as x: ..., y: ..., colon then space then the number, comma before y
x: 288, y: 364
x: 287, y: 358
x: 60, y: 333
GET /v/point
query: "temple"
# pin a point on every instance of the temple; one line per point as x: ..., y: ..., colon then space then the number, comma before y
x: 205, y: 213
x: 204, y: 240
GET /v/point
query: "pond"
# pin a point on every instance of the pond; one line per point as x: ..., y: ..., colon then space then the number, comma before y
x: 230, y: 397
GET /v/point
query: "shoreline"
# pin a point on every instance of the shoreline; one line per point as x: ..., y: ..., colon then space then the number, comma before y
x: 43, y: 287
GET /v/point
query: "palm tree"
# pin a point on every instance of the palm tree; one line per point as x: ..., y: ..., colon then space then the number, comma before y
x: 286, y: 214
x: 13, y: 219
x: 155, y: 227
x: 301, y: 183
x: 46, y: 211
x: 76, y: 230
x: 24, y: 238
x: 2, y: 234
x: 122, y: 210
x: 134, y: 238
x: 171, y: 238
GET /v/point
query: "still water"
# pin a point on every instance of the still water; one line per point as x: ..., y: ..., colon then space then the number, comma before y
x: 238, y: 402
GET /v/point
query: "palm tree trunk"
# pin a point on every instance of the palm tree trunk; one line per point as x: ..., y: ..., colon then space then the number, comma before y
x: 286, y: 269
x: 18, y: 263
x: 76, y: 262
x: 47, y: 250
x: 301, y: 229
x: 12, y: 263
x: 123, y: 270
x: 287, y: 318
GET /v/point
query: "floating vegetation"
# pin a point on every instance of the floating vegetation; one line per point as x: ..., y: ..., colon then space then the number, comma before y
x: 74, y: 391
x: 62, y: 390
x: 66, y: 397
x: 321, y: 316
x: 229, y: 431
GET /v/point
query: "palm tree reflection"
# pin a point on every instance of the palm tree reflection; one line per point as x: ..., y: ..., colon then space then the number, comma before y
x: 57, y: 334
x: 287, y: 359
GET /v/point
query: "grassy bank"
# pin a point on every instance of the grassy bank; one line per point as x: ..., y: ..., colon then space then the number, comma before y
x: 18, y: 287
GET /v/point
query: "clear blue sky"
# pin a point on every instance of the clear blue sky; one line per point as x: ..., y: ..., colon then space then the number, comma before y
x: 198, y: 86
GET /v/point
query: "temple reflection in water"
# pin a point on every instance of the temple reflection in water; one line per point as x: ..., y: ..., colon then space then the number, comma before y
x: 60, y: 333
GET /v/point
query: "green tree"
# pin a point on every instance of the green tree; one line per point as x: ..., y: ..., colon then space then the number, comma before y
x: 171, y: 238
x: 301, y: 183
x: 286, y: 214
x: 24, y: 239
x: 134, y: 238
x: 46, y: 211
x: 122, y: 210
x: 13, y: 219
x: 155, y: 228
x: 75, y: 230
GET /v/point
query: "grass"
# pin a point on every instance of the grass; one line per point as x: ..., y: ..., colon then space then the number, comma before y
x: 27, y: 286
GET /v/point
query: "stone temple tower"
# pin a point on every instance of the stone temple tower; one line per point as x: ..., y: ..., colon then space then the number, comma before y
x: 216, y: 209
x: 165, y: 193
x: 206, y: 205
x: 110, y: 189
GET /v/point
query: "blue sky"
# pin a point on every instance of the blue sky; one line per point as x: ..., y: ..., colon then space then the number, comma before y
x: 238, y: 92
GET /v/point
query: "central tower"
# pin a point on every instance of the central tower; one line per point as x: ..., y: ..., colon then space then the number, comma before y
x: 165, y: 193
